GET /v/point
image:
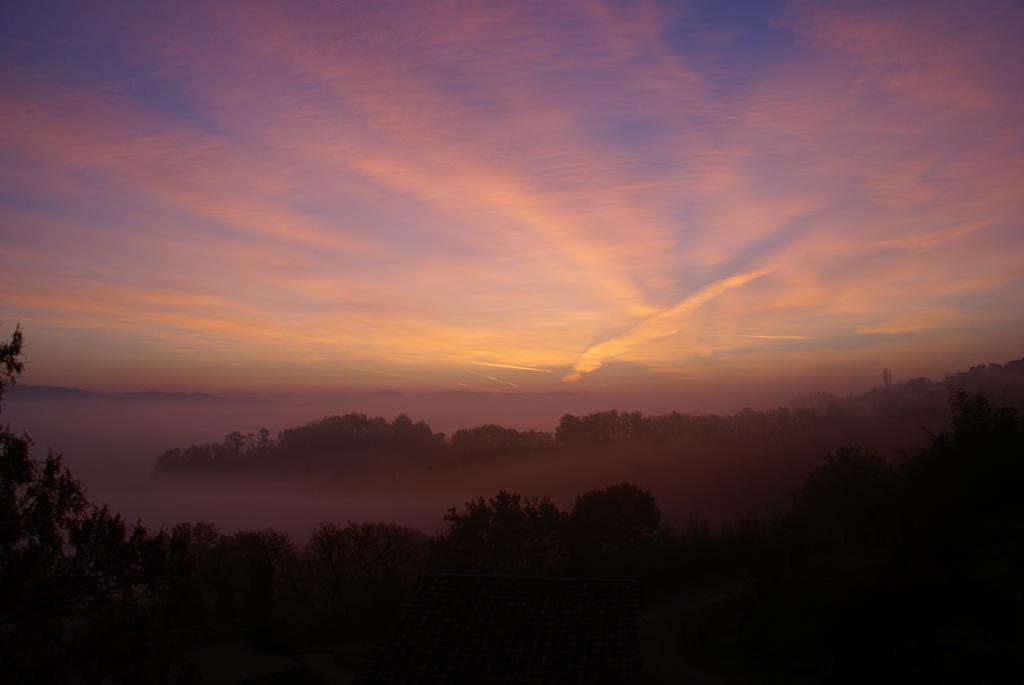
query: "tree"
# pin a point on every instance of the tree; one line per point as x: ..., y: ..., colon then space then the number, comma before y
x: 10, y: 361
x: 608, y: 529
x: 843, y: 502
x: 602, y: 428
x: 504, y: 534
x: 354, y: 576
x: 490, y: 441
x: 64, y: 563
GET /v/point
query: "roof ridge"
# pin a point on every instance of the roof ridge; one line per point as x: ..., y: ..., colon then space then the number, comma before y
x: 497, y: 576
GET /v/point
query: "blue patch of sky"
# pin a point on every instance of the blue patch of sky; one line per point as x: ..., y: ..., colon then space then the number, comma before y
x: 731, y: 41
x: 77, y: 44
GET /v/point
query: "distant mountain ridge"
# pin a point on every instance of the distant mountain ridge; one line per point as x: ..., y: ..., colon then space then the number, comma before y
x: 468, y: 397
x: 1003, y: 383
x: 42, y: 392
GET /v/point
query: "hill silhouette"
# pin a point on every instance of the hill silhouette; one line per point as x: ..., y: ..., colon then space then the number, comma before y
x: 889, y: 419
x: 45, y: 392
x: 875, y: 570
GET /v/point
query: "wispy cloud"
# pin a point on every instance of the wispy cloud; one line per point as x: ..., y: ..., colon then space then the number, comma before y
x: 428, y: 187
x: 758, y: 337
x: 513, y: 366
x: 661, y: 325
x: 492, y: 378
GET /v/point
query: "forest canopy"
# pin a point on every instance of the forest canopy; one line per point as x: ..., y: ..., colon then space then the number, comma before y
x: 888, y: 417
x: 908, y: 568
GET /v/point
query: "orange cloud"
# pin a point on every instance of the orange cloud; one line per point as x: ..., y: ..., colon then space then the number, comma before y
x: 540, y: 186
x: 661, y: 325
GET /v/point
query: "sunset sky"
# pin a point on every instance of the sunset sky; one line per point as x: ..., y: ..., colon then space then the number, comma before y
x: 557, y: 196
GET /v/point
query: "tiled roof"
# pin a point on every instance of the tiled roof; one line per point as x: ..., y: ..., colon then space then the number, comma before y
x: 501, y: 629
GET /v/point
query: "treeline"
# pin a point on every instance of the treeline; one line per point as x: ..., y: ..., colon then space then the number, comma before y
x: 888, y: 418
x: 1003, y: 384
x: 347, y: 441
x: 86, y: 597
x: 877, y: 570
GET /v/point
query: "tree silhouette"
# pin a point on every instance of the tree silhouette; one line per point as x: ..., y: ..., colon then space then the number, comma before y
x: 353, y: 576
x: 491, y: 441
x: 504, y: 534
x: 844, y: 502
x: 11, y: 364
x: 63, y: 560
x: 609, y: 531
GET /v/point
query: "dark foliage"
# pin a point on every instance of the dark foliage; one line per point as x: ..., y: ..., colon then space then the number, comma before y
x: 10, y: 360
x: 879, y: 570
x: 912, y: 570
x: 80, y: 590
x: 330, y: 443
x: 504, y: 534
x: 353, y: 578
x: 489, y: 441
x: 888, y: 418
x: 611, y: 532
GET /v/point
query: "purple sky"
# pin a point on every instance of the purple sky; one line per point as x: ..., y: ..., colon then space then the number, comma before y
x: 633, y: 198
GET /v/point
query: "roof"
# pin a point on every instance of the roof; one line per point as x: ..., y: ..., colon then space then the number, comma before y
x: 236, y: 661
x: 502, y: 629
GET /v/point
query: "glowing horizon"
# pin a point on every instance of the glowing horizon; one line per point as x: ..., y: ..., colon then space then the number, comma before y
x: 605, y: 197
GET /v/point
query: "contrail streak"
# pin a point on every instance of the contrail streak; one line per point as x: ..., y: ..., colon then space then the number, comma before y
x: 512, y: 366
x: 660, y: 325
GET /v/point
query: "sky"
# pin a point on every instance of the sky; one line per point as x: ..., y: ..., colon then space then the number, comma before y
x: 594, y: 197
